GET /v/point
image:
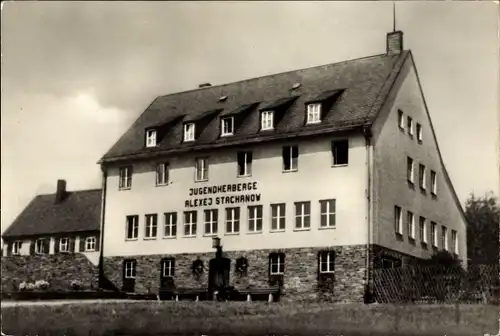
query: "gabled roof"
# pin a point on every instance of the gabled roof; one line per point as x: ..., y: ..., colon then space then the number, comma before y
x: 78, y: 211
x: 362, y: 81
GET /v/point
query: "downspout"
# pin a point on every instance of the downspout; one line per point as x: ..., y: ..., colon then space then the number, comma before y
x: 103, y: 209
x: 368, y: 146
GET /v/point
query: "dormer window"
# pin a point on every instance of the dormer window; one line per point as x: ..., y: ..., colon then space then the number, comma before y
x: 267, y: 120
x: 314, y: 113
x: 189, y: 132
x: 227, y: 126
x: 151, y: 138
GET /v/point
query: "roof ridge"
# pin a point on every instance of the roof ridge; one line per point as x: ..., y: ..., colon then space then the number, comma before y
x: 269, y: 75
x: 71, y: 191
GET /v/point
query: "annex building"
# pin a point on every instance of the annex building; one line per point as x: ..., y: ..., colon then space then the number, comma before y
x: 309, y: 178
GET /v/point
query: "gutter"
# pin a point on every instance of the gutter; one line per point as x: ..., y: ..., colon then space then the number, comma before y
x: 369, y: 157
x: 103, y: 212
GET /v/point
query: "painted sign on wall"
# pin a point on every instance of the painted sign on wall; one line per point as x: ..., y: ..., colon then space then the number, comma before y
x: 202, y: 196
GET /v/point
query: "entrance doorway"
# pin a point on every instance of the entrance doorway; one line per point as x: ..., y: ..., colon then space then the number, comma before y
x: 218, y: 274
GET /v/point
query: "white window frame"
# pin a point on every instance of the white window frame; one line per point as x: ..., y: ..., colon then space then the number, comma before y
x: 130, y: 269
x: 267, y: 120
x: 233, y: 217
x: 329, y: 204
x: 280, y: 264
x: 313, y: 113
x: 247, y: 163
x: 398, y: 219
x: 64, y: 245
x: 90, y: 244
x: 433, y: 182
x: 422, y: 229
x: 454, y: 241
x: 410, y: 221
x: 168, y: 272
x: 401, y: 120
x: 410, y: 170
x: 422, y: 174
x: 335, y: 151
x: 444, y: 238
x: 410, y: 125
x: 329, y: 256
x: 419, y: 132
x: 434, y: 234
x: 211, y: 221
x: 150, y: 226
x: 135, y: 227
x: 190, y: 219
x: 227, y: 126
x: 151, y: 138
x: 125, y: 178
x: 301, y: 216
x: 280, y: 217
x: 162, y: 170
x: 189, y: 132
x: 292, y: 167
x: 255, y: 218
x: 16, y: 247
x: 170, y: 226
x: 39, y: 246
x: 201, y: 169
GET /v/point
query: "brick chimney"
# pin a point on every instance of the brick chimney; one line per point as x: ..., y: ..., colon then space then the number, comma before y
x: 394, y: 42
x: 61, y: 191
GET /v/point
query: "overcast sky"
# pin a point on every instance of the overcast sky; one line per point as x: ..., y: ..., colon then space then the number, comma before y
x: 75, y: 75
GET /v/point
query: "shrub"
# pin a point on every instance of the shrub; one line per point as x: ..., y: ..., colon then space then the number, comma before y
x: 42, y: 284
x: 76, y: 285
x: 23, y: 286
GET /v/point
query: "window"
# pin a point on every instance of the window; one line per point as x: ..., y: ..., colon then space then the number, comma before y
x: 40, y: 246
x: 410, y: 224
x: 170, y: 228
x: 421, y: 176
x: 90, y: 243
x: 162, y: 174
x: 327, y: 213
x: 168, y: 268
x: 150, y: 138
x: 419, y: 132
x: 422, y: 230
x: 232, y: 220
x: 267, y: 120
x: 132, y: 227
x: 190, y: 223
x: 326, y: 262
x: 201, y: 167
x: 434, y: 234
x: 433, y: 182
x: 125, y: 178
x: 398, y: 220
x: 189, y: 132
x: 340, y: 151
x: 410, y: 126
x: 278, y: 217
x: 313, y: 113
x: 390, y: 262
x: 255, y: 218
x: 227, y: 126
x: 277, y: 263
x: 64, y: 245
x: 129, y: 269
x: 302, y: 215
x: 290, y: 158
x: 401, y: 120
x: 211, y: 220
x: 409, y: 167
x: 244, y: 163
x: 151, y: 226
x: 444, y: 237
x: 454, y: 241
x: 16, y: 247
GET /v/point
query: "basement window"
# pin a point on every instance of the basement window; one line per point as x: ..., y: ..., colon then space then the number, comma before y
x: 227, y: 126
x: 327, y: 262
x: 314, y: 113
x: 189, y: 132
x: 151, y: 138
x: 277, y: 263
x: 168, y: 268
x: 340, y: 152
x: 129, y: 269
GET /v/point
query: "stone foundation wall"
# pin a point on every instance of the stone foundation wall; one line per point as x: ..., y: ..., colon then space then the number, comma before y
x: 300, y: 279
x: 58, y: 269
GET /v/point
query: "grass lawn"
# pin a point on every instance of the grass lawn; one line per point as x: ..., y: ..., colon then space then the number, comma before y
x: 243, y: 319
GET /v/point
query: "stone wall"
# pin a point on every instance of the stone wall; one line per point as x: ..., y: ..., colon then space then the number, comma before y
x: 58, y: 269
x: 300, y: 279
